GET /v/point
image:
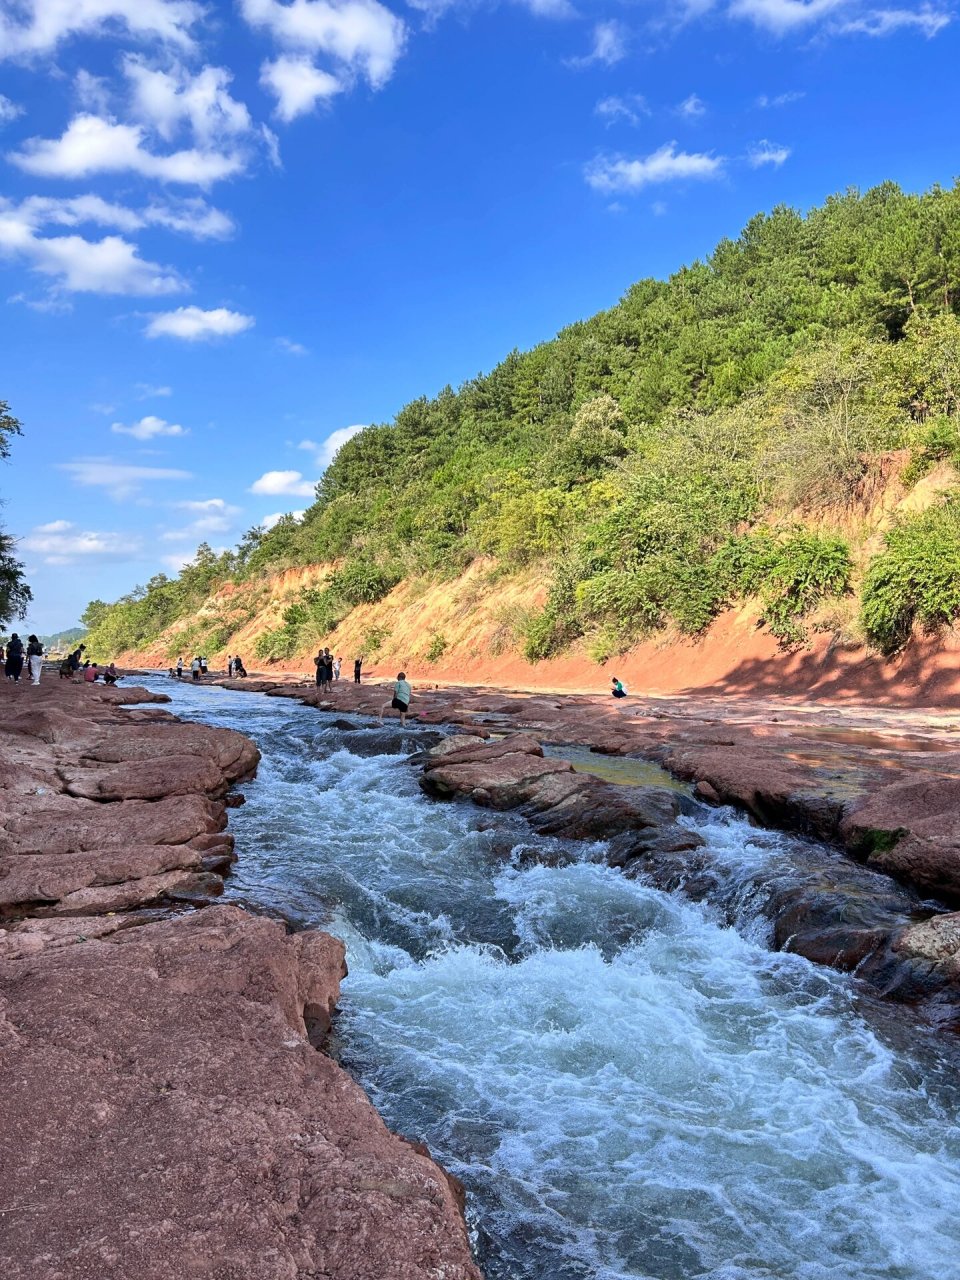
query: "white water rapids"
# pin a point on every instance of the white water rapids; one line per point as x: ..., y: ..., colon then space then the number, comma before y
x: 627, y: 1088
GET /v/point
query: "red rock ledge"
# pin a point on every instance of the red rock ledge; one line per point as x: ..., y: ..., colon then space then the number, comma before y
x: 165, y: 1113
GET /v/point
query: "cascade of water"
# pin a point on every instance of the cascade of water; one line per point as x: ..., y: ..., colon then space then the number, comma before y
x: 629, y: 1087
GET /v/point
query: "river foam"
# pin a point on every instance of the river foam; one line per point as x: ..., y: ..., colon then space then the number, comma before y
x: 629, y: 1087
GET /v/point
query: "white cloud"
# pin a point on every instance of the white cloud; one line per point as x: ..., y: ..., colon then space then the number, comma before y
x: 292, y: 348
x: 617, y: 173
x: 629, y: 108
x: 92, y: 92
x: 780, y: 16
x: 118, y: 479
x: 209, y: 505
x: 167, y: 100
x: 609, y: 46
x: 111, y: 265
x: 191, y: 324
x: 766, y: 152
x: 192, y: 216
x: 326, y: 450
x: 212, y: 516
x: 177, y: 561
x: 883, y: 22
x: 8, y: 110
x: 692, y: 107
x: 284, y: 482
x: 362, y: 36
x: 61, y: 542
x: 92, y: 145
x: 297, y: 85
x: 839, y: 17
x: 149, y: 428
x: 779, y: 100
x: 38, y: 26
x: 198, y: 530
x: 146, y: 391
x: 268, y: 522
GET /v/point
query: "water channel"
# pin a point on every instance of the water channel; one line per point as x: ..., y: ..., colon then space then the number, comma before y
x: 630, y: 1088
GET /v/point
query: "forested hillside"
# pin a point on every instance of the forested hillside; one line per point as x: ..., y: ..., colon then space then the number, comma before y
x: 712, y: 438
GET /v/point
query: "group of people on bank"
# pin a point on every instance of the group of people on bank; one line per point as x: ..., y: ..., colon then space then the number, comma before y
x: 199, y: 667
x: 15, y: 656
x: 329, y: 668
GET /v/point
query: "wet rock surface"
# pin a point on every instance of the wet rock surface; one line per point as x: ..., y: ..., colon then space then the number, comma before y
x: 158, y: 1064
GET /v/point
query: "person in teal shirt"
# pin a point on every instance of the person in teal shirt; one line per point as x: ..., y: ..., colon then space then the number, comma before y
x: 402, y: 693
x: 618, y: 690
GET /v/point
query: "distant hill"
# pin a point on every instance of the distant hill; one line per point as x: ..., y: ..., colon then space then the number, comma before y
x: 63, y: 639
x: 716, y: 438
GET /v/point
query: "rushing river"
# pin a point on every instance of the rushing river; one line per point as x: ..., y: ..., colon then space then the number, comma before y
x: 627, y: 1087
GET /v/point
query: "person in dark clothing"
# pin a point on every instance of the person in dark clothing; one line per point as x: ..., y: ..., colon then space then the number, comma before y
x: 318, y: 663
x: 238, y: 668
x: 328, y: 663
x: 357, y: 664
x: 14, y: 663
x: 76, y: 658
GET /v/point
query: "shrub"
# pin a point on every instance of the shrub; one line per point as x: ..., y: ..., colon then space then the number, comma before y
x: 438, y: 647
x: 789, y: 575
x: 280, y: 643
x: 374, y: 641
x: 362, y: 582
x: 939, y: 439
x: 915, y: 579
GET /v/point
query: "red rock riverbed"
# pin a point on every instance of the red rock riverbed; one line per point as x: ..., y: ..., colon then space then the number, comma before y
x: 168, y: 1114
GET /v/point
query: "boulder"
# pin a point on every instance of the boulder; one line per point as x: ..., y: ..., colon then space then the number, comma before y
x: 173, y: 1117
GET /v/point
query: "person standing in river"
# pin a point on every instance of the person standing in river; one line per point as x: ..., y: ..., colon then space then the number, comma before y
x: 179, y: 668
x: 357, y: 664
x: 402, y: 693
x: 34, y: 658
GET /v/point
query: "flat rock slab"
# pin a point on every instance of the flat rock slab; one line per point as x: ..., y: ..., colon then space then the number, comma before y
x: 105, y: 812
x: 172, y: 1118
x: 513, y: 773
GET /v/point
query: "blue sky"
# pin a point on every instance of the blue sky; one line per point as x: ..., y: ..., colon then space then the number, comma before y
x: 230, y: 233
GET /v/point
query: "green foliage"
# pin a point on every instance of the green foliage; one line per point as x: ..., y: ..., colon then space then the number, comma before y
x: 789, y: 573
x: 915, y: 579
x: 631, y: 455
x: 9, y: 426
x: 15, y: 595
x: 374, y: 640
x: 437, y: 647
x: 938, y: 439
x: 362, y: 582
